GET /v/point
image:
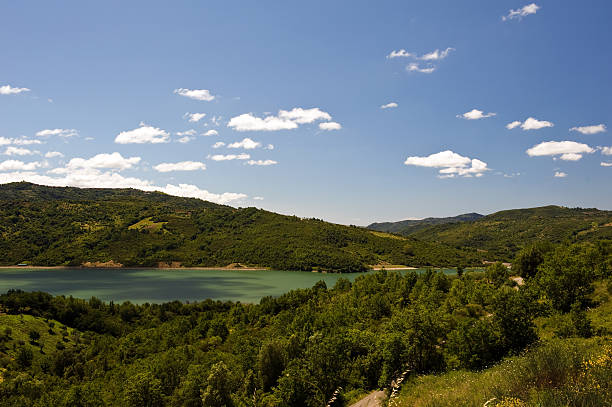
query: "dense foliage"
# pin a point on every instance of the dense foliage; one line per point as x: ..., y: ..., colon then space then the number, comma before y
x: 502, y: 234
x: 71, y: 226
x: 406, y: 227
x: 295, y: 350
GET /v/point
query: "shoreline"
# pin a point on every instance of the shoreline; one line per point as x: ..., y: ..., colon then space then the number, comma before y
x: 220, y: 268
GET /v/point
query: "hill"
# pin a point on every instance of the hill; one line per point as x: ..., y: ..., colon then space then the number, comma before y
x: 502, y: 234
x: 52, y: 226
x: 406, y: 227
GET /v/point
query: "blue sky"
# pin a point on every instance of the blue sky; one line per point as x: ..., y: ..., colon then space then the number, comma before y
x: 101, y: 95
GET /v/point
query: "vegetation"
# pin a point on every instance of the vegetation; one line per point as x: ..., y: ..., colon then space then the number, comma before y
x: 501, y: 235
x: 406, y: 227
x: 435, y: 331
x: 70, y: 226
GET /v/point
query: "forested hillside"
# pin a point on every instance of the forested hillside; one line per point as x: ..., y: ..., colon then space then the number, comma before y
x: 70, y: 226
x: 310, y: 346
x: 406, y: 227
x: 502, y: 234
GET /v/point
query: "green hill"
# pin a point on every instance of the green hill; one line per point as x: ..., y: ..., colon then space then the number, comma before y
x: 406, y: 227
x: 502, y: 234
x: 50, y: 226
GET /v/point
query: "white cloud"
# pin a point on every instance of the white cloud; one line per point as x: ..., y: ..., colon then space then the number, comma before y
x: 570, y: 157
x: 269, y: 147
x: 17, y: 151
x: 246, y: 143
x: 475, y: 114
x: 530, y: 124
x: 258, y: 198
x: 54, y: 154
x: 389, y: 105
x: 560, y: 174
x: 302, y: 116
x: 113, y: 161
x: 192, y: 191
x: 185, y: 139
x: 514, y: 124
x: 194, y: 117
x: 330, y: 126
x: 401, y: 53
x: 9, y: 90
x: 248, y: 122
x: 522, y: 12
x: 57, y: 132
x: 4, y: 141
x: 414, y: 67
x: 606, y: 150
x: 143, y: 134
x: 190, y: 132
x: 25, y: 141
x: 180, y: 166
x: 211, y: 133
x: 262, y: 162
x: 228, y: 157
x: 197, y: 94
x: 568, y: 150
x: 15, y: 165
x: 451, y: 164
x: 436, y: 55
x: 604, y: 164
x: 218, y: 144
x: 216, y: 120
x: 594, y: 129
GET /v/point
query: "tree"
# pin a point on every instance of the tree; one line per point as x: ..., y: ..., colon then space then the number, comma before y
x: 34, y: 335
x: 271, y: 363
x: 528, y: 259
x: 217, y: 392
x: 143, y: 390
x: 497, y: 274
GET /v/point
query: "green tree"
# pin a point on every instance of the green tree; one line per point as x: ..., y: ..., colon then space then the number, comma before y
x: 528, y: 260
x: 218, y: 387
x: 271, y: 362
x: 143, y: 390
x: 497, y: 274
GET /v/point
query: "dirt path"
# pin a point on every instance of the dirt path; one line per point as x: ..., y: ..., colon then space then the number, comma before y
x: 373, y: 399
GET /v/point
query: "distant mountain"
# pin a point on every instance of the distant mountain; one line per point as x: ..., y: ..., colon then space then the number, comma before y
x: 502, y: 234
x: 406, y: 227
x: 71, y: 226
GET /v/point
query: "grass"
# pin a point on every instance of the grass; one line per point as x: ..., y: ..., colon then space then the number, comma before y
x: 147, y: 224
x: 575, y: 372
x: 15, y: 333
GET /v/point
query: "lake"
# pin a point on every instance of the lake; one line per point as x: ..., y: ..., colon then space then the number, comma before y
x: 157, y: 286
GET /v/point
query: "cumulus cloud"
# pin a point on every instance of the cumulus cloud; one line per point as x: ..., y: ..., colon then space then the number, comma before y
x: 566, y: 150
x: 560, y: 174
x: 194, y: 117
x: 218, y: 144
x: 519, y: 13
x: 606, y: 150
x: 415, y: 67
x: 530, y: 124
x: 9, y: 90
x: 246, y: 143
x: 185, y: 139
x: 248, y: 122
x: 211, y: 133
x: 475, y: 114
x: 451, y: 164
x: 330, y: 126
x: 258, y: 198
x: 262, y: 162
x: 113, y: 161
x: 143, y: 134
x: 16, y: 165
x: 269, y: 147
x: 605, y: 164
x: 180, y: 166
x: 594, y: 129
x: 57, y: 132
x: 302, y: 116
x: 54, y: 154
x: 389, y: 105
x: 229, y: 157
x: 514, y: 124
x: 17, y: 151
x: 402, y: 53
x: 190, y: 132
x: 197, y: 94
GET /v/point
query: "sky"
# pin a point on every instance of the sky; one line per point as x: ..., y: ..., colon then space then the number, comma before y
x: 352, y: 112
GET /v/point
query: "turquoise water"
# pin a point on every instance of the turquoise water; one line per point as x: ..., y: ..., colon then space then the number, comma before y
x: 157, y: 286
